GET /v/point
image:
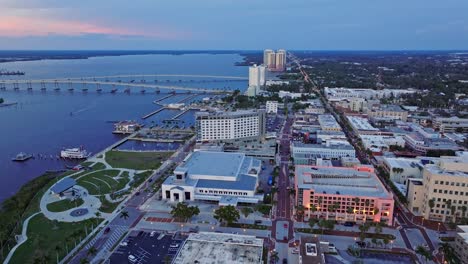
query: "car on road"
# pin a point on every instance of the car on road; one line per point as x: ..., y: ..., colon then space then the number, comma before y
x: 107, y: 230
x: 361, y: 244
x: 123, y: 244
x: 285, y: 261
x: 153, y: 233
x: 132, y: 259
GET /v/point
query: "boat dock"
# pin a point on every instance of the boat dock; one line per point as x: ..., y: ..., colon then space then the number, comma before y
x: 153, y: 113
x: 164, y: 98
x: 187, y: 98
x: 181, y: 113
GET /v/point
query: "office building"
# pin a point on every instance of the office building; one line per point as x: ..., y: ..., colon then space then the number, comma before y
x: 422, y: 140
x: 379, y: 143
x: 226, y: 178
x: 230, y: 126
x: 401, y: 169
x: 362, y: 126
x: 393, y: 112
x: 446, y: 186
x: 343, y: 194
x: 451, y: 124
x: 272, y: 107
x: 328, y: 123
x: 307, y: 154
x: 461, y: 243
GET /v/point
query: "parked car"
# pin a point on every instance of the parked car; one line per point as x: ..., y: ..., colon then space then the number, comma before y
x: 132, y: 259
x: 123, y: 244
x: 348, y: 224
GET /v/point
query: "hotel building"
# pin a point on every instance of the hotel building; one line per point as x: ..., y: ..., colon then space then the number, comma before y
x: 343, y: 194
x: 307, y: 154
x: 230, y: 126
x: 272, y: 107
x: 394, y: 112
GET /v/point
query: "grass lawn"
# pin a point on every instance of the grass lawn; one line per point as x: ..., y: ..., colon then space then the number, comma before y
x: 46, y: 238
x: 103, y: 182
x: 64, y: 205
x: 136, y: 160
x: 99, y: 166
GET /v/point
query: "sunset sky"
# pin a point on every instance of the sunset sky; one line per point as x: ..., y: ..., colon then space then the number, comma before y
x: 234, y: 24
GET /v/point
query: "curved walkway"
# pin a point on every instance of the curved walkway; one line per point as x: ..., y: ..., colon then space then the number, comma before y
x: 24, y: 237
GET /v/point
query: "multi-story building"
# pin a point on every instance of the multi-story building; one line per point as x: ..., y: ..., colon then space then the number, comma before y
x: 451, y: 124
x: 343, y: 194
x: 268, y: 59
x: 272, y: 107
x: 325, y: 136
x: 460, y: 244
x: 328, y: 123
x: 394, y: 112
x: 280, y: 62
x: 274, y: 61
x: 256, y: 79
x: 422, y: 140
x: 307, y: 154
x: 230, y: 126
x: 335, y: 94
x: 379, y: 143
x: 443, y: 193
x: 227, y: 178
x: 362, y: 126
x: 402, y: 169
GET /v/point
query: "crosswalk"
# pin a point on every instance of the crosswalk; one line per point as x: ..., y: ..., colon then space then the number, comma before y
x: 116, y: 234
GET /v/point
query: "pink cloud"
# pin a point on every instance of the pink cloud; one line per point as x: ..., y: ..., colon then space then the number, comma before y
x: 25, y: 26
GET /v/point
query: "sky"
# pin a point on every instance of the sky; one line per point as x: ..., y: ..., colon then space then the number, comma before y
x: 234, y: 24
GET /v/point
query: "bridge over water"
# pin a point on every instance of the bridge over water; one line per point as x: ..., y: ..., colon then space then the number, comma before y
x: 97, y: 80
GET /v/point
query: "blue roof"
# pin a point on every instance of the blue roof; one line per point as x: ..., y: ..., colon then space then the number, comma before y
x: 63, y: 185
x: 243, y: 182
x: 213, y: 164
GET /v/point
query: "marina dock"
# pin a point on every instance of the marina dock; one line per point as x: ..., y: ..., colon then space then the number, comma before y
x: 153, y: 113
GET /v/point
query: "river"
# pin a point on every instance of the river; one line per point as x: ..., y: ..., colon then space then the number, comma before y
x: 45, y: 122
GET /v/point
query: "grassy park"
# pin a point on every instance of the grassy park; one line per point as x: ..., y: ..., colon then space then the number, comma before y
x: 102, y: 182
x: 136, y: 160
x: 64, y: 205
x: 48, y: 238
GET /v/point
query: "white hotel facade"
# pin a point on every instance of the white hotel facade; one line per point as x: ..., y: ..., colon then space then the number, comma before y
x: 230, y: 126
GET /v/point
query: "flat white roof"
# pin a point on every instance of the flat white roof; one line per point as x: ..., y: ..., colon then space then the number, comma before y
x: 208, y: 247
x: 361, y: 123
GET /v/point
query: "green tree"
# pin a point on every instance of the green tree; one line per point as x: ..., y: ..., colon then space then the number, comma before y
x: 386, y: 241
x: 228, y: 214
x: 246, y: 211
x: 2, y: 101
x: 124, y: 215
x: 84, y: 261
x: 420, y: 250
x: 91, y: 251
x: 312, y: 222
x: 184, y: 212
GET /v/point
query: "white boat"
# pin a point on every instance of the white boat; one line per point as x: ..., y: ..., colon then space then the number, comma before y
x: 74, y: 153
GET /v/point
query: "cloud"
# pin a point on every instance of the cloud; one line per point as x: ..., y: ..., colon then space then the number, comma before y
x: 15, y: 26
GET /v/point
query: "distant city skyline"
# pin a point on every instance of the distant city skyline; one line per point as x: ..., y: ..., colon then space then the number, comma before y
x: 239, y: 25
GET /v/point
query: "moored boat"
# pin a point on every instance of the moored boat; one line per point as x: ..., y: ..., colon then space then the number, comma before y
x: 74, y: 153
x: 22, y: 157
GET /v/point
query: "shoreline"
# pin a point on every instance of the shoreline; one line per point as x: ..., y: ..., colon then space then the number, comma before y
x: 8, y: 104
x: 24, y: 56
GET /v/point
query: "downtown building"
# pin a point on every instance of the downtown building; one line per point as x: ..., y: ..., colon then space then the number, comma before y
x: 343, y: 194
x: 222, y: 177
x: 451, y: 124
x: 308, y: 154
x: 274, y: 61
x: 256, y: 80
x: 242, y: 125
x: 443, y: 185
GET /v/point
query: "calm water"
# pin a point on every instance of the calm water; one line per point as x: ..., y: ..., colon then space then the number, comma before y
x: 45, y: 122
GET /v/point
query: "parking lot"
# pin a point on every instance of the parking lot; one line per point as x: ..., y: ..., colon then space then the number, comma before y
x: 147, y: 247
x: 273, y: 123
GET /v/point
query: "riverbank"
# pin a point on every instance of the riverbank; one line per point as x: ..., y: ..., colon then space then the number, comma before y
x: 30, y: 55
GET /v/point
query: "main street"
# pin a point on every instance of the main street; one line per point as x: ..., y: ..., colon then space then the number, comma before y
x: 406, y: 224
x: 282, y: 226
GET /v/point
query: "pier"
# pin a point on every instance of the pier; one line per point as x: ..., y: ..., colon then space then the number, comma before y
x: 187, y: 98
x: 153, y: 113
x: 181, y: 113
x: 164, y: 98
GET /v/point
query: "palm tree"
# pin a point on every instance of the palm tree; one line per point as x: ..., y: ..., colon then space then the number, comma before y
x: 420, y: 250
x: 84, y: 261
x: 91, y: 251
x: 320, y: 200
x: 300, y: 211
x: 124, y: 215
x: 349, y: 210
x: 463, y: 211
x: 431, y: 203
x: 449, y: 204
x: 274, y: 256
